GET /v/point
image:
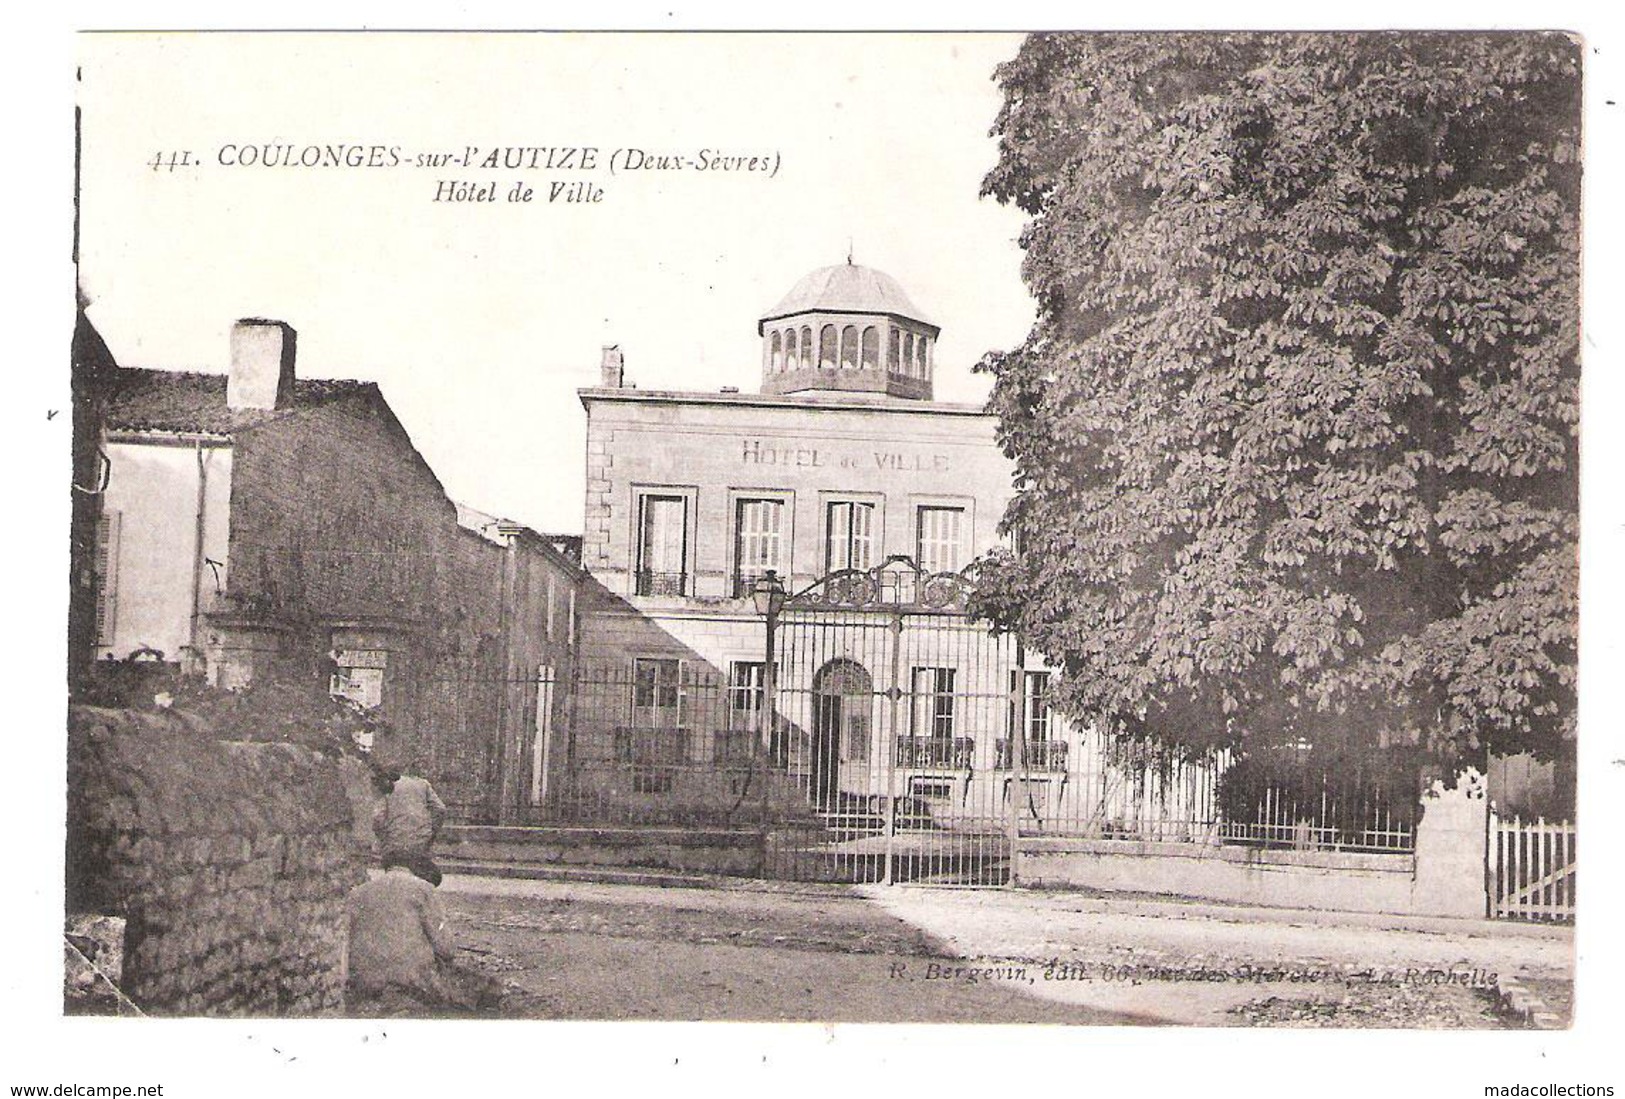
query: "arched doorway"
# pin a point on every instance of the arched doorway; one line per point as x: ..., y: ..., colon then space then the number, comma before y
x: 843, y: 697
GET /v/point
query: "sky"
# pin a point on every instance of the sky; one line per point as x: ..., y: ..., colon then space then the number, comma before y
x: 480, y: 319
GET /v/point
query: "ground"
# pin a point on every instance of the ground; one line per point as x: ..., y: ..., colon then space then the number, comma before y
x: 575, y: 950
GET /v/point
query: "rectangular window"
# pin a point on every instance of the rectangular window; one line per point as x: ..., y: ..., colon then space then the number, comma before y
x: 657, y: 741
x: 932, y: 789
x: 937, y: 538
x: 106, y: 568
x: 758, y: 542
x: 745, y: 683
x: 746, y: 705
x: 657, y: 693
x: 849, y: 536
x: 1030, y: 722
x: 1034, y: 705
x: 933, y: 703
x: 662, y: 545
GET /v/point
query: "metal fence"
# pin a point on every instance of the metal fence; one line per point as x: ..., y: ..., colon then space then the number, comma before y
x: 1080, y: 783
x: 891, y: 737
x: 662, y: 742
x: 890, y: 711
x: 1295, y: 798
x: 913, y: 775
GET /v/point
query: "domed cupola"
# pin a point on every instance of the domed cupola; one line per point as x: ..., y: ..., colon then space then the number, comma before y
x: 847, y: 329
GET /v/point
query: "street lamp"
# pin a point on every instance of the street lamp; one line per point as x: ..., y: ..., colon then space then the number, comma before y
x: 768, y: 596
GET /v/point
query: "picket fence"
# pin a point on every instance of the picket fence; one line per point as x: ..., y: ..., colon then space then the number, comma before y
x: 1532, y: 867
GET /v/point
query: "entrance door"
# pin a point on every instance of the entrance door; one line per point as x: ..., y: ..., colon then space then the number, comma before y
x: 843, y: 694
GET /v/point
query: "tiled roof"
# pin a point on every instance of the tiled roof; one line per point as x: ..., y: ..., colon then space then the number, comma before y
x: 171, y: 400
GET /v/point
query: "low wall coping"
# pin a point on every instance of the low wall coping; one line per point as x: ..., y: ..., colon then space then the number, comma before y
x: 629, y: 835
x: 1398, y: 862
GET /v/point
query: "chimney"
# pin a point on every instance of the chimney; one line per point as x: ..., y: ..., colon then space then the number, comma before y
x: 261, y: 365
x: 614, y: 367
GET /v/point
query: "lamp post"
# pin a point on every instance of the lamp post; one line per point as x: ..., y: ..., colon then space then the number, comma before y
x: 768, y: 595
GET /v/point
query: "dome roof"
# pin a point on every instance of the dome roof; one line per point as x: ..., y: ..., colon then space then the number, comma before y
x: 846, y: 288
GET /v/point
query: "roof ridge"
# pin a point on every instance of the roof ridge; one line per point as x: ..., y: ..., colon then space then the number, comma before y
x: 144, y: 398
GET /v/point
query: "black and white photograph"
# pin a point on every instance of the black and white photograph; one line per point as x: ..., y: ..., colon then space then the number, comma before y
x: 980, y: 536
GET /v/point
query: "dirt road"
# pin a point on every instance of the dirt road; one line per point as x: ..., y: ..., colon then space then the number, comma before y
x: 577, y: 951
x: 833, y: 954
x: 1199, y: 964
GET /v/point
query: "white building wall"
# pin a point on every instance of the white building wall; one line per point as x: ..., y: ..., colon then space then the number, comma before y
x: 151, y: 513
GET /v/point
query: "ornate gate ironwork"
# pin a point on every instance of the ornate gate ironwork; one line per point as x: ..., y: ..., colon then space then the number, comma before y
x: 894, y: 712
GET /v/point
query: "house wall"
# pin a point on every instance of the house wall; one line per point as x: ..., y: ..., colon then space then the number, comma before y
x: 510, y: 653
x: 900, y: 455
x: 343, y: 533
x: 150, y: 514
x: 335, y: 515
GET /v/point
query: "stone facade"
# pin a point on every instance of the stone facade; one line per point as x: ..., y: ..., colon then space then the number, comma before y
x: 229, y: 862
x: 714, y: 451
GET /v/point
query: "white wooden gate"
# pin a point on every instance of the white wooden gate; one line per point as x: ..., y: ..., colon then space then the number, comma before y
x: 1531, y: 866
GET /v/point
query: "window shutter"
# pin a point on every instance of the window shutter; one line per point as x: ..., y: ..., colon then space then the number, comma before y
x: 106, y: 569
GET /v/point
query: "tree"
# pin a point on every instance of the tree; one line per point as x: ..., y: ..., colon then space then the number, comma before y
x: 1295, y: 432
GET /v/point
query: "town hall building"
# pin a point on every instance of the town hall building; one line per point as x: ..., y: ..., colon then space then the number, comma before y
x: 831, y: 516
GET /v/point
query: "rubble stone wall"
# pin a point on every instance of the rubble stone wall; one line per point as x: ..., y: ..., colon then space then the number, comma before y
x: 229, y: 861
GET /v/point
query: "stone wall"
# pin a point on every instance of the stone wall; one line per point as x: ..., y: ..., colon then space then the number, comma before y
x: 229, y: 861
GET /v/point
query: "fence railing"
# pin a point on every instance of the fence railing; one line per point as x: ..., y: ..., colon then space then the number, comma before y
x: 1532, y: 868
x: 674, y: 743
x: 652, y: 747
x: 1351, y: 803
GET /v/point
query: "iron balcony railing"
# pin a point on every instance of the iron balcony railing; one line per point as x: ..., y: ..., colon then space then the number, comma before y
x: 650, y: 582
x: 1037, y: 755
x: 934, y: 751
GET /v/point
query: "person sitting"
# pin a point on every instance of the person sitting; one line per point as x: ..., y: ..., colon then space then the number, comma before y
x: 399, y: 948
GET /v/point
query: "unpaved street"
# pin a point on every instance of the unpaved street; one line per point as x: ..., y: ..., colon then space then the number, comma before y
x: 1208, y: 964
x: 833, y: 954
x: 809, y: 954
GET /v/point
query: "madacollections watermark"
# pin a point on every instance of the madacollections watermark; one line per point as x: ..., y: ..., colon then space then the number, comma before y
x: 1062, y: 970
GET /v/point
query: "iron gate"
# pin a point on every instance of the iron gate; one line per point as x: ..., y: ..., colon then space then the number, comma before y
x: 901, y: 719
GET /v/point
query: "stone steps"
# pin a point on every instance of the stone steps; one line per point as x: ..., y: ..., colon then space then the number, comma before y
x: 528, y: 851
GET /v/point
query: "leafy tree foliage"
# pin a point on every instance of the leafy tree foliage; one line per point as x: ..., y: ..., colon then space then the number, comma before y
x: 1296, y: 430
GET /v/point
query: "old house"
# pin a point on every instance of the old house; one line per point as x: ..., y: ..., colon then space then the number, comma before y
x: 254, y: 522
